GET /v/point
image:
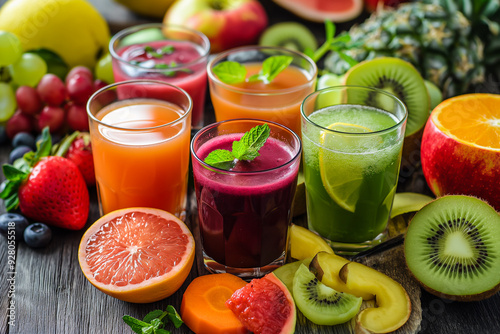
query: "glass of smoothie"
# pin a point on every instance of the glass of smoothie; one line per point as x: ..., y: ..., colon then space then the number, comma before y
x: 244, y: 212
x: 140, y: 134
x: 173, y: 54
x: 277, y: 101
x: 352, y: 139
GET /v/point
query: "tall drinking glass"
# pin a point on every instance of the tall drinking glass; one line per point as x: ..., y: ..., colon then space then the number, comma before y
x: 173, y: 54
x: 352, y: 139
x: 278, y: 101
x: 140, y: 133
x: 245, y: 212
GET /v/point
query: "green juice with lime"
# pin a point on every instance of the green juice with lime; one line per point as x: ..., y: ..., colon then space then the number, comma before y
x: 351, y: 166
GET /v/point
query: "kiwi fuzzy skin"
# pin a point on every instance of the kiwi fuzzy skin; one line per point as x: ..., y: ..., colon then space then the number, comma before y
x: 460, y: 298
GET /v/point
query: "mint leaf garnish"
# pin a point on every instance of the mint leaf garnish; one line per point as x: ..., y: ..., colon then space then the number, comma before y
x: 154, y: 322
x: 247, y: 148
x: 271, y: 67
x: 231, y: 72
x: 222, y: 159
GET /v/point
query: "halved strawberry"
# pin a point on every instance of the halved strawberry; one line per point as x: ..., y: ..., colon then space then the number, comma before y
x: 49, y: 189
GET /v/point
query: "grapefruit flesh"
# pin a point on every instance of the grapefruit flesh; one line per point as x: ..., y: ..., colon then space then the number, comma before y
x: 138, y: 255
x: 264, y: 306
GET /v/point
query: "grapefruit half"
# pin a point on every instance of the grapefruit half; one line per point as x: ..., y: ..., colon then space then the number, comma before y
x: 139, y: 255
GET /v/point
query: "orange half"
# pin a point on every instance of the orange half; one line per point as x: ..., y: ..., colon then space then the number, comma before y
x: 473, y: 119
x: 138, y: 255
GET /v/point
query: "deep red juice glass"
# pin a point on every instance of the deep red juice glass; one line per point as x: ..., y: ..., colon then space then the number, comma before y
x: 244, y: 214
x: 173, y: 54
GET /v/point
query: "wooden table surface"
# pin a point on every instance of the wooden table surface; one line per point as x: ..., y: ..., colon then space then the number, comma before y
x: 44, y: 291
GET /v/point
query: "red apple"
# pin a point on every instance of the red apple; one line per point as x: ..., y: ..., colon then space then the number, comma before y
x: 453, y: 165
x: 227, y: 24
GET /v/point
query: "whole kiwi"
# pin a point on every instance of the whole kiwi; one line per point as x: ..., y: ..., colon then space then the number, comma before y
x: 320, y: 303
x: 452, y: 247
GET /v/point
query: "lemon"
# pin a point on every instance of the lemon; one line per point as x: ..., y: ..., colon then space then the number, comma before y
x: 151, y: 8
x: 341, y: 181
x: 73, y: 29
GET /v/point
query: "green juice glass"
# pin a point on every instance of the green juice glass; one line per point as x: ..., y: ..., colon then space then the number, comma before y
x: 352, y: 142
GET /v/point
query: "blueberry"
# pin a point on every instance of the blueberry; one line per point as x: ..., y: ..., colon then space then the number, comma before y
x: 18, y: 152
x: 24, y: 139
x: 13, y: 223
x: 37, y: 235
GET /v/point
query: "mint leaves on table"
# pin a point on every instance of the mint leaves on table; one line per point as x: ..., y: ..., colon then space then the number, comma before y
x: 232, y: 72
x: 155, y: 321
x: 247, y: 148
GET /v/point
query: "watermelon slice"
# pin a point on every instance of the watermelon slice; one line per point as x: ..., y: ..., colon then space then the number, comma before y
x: 264, y: 306
x: 321, y: 10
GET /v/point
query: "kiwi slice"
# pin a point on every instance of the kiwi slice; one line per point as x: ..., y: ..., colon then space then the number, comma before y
x: 398, y: 77
x: 291, y: 35
x: 435, y: 94
x: 452, y: 247
x: 320, y: 303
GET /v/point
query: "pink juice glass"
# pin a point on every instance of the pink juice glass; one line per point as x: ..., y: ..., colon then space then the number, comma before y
x: 245, y: 213
x: 172, y: 54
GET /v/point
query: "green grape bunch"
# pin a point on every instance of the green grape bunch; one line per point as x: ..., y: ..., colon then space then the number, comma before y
x: 17, y: 68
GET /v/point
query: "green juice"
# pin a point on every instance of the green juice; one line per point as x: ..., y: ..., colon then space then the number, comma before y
x: 351, y: 173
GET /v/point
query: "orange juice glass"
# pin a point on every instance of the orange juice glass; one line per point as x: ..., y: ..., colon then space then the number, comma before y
x: 140, y: 134
x: 278, y: 101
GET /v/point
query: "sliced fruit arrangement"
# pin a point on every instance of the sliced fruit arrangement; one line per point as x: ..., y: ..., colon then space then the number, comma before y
x: 48, y: 189
x: 460, y: 148
x: 449, y: 42
x: 320, y: 303
x: 319, y: 11
x: 139, y: 255
x: 452, y: 247
x: 203, y: 307
x: 264, y: 306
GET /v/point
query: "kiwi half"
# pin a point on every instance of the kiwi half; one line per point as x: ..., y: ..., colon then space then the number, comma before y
x: 399, y: 78
x: 320, y: 303
x: 291, y: 35
x: 452, y: 247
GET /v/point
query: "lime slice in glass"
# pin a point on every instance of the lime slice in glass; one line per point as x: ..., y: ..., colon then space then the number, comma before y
x: 341, y: 177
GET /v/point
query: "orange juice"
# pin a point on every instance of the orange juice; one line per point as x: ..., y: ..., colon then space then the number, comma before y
x: 141, y: 155
x: 278, y: 101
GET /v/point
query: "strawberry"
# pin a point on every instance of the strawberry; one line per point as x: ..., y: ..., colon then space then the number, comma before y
x: 77, y: 148
x: 49, y: 189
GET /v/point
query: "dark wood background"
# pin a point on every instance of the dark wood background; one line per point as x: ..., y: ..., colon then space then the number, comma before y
x: 52, y: 295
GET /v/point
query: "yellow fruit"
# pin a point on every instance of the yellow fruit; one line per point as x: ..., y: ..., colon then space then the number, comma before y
x: 151, y: 8
x: 305, y: 243
x: 73, y: 29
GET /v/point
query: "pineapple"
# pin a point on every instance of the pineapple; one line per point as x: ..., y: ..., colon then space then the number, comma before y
x: 453, y: 43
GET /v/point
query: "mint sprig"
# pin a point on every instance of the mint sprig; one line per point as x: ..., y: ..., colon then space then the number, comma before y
x: 154, y: 322
x: 232, y: 72
x: 247, y: 148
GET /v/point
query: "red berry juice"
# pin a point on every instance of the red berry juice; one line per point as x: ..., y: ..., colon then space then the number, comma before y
x: 245, y: 213
x: 180, y: 63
